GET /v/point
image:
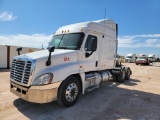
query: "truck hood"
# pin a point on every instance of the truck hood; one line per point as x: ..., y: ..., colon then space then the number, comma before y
x: 127, y: 58
x: 43, y: 54
x: 140, y: 59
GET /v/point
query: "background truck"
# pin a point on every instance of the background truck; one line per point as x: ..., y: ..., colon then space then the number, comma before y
x: 142, y: 59
x: 79, y: 58
x: 152, y: 58
x: 131, y: 57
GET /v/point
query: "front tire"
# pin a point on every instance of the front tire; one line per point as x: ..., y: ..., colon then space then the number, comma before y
x: 69, y: 91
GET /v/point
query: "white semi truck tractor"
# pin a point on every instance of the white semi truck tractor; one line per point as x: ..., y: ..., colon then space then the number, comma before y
x: 131, y: 57
x: 152, y: 58
x: 78, y: 59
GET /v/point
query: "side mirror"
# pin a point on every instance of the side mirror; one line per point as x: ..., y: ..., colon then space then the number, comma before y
x: 94, y: 45
x: 19, y: 49
x: 50, y: 49
x: 87, y: 54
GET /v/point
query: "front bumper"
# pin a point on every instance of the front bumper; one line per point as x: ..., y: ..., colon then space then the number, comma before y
x: 36, y: 94
x: 141, y: 62
x: 127, y: 60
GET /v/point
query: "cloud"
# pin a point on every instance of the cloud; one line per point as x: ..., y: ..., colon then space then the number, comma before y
x: 136, y: 41
x: 35, y: 40
x: 7, y: 16
x: 151, y: 42
x: 158, y: 45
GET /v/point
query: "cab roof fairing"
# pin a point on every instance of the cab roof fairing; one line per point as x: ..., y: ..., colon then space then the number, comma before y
x: 100, y: 26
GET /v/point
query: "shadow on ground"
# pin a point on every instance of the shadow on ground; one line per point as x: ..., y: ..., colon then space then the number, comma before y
x: 109, y: 102
x: 4, y: 70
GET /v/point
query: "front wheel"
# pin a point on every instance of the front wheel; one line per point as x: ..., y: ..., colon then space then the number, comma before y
x: 147, y: 63
x: 69, y: 91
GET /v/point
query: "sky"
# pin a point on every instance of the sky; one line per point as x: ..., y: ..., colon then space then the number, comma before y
x: 31, y: 23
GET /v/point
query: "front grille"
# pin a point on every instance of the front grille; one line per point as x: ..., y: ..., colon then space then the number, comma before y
x: 140, y: 60
x: 20, y: 71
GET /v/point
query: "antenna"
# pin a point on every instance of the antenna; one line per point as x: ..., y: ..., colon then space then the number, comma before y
x: 104, y: 20
x: 104, y: 14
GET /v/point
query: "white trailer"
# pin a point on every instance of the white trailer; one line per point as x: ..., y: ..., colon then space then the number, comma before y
x: 131, y: 57
x: 79, y: 58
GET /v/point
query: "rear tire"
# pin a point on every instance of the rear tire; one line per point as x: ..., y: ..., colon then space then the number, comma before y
x: 121, y: 77
x: 127, y: 73
x: 69, y: 91
x: 114, y: 78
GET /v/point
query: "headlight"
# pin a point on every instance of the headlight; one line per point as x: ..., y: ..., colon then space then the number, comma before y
x: 43, y: 79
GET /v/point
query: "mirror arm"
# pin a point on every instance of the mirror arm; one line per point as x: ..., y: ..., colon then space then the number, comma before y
x: 89, y: 54
x: 19, y: 49
x: 48, y: 63
x: 50, y: 49
x: 18, y: 53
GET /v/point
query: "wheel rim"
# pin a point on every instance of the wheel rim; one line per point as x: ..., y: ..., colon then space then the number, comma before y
x: 71, y: 92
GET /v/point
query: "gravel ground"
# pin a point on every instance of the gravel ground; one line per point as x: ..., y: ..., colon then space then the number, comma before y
x: 136, y: 99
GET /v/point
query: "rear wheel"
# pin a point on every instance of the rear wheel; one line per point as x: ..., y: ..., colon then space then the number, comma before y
x: 127, y: 73
x: 121, y: 76
x: 114, y: 78
x: 69, y: 91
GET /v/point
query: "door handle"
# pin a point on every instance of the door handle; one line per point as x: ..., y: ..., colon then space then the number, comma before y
x: 96, y: 63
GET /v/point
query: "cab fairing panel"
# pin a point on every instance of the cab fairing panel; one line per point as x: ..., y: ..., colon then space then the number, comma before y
x: 107, y: 27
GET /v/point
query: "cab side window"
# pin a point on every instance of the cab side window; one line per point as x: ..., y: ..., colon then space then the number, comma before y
x: 89, y: 41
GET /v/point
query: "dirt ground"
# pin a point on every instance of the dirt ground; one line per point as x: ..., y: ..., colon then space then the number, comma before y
x: 135, y: 99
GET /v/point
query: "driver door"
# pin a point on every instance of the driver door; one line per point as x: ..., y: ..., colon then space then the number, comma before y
x: 89, y: 57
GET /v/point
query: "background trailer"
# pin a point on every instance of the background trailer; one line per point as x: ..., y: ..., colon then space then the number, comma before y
x: 8, y: 52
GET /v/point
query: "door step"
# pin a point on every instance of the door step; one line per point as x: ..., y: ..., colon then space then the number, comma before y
x: 91, y: 88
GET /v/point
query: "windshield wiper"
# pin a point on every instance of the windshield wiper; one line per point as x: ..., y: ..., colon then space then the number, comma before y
x: 64, y: 48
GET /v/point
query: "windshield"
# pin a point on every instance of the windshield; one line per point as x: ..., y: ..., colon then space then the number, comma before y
x: 129, y: 57
x: 67, y: 41
x: 141, y: 57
